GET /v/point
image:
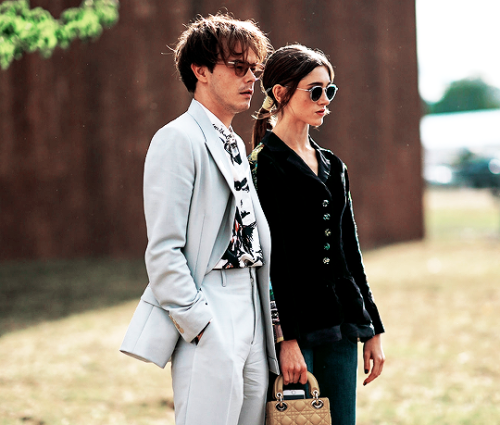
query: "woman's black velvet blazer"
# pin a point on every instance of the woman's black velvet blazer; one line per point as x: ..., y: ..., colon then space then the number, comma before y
x: 317, y: 272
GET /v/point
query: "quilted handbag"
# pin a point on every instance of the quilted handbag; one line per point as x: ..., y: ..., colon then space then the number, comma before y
x: 307, y: 411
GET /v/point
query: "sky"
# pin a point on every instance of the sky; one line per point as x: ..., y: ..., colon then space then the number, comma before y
x: 457, y: 39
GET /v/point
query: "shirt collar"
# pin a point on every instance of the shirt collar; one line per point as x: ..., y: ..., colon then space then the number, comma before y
x: 216, y: 121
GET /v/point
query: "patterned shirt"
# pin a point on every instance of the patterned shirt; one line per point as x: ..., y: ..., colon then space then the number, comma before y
x: 244, y: 248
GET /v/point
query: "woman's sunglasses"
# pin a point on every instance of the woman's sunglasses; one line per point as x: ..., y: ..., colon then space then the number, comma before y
x: 317, y: 91
x: 241, y: 68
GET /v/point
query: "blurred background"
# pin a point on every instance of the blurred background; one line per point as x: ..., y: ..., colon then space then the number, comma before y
x: 416, y: 119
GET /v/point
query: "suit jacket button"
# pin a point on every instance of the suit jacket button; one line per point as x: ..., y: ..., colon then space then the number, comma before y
x: 328, y: 232
x: 326, y: 260
x: 326, y: 217
x: 325, y: 203
x: 326, y: 246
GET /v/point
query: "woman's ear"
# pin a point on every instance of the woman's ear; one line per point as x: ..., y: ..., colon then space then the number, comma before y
x: 200, y: 72
x: 279, y: 92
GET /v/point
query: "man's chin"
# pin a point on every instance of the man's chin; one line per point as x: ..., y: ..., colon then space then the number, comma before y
x: 243, y: 106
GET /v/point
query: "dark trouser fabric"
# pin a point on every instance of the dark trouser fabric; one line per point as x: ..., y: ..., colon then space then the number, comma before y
x: 335, y: 367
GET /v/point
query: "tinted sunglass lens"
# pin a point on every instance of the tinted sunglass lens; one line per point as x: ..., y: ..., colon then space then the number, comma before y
x: 330, y: 92
x: 240, y: 70
x: 316, y: 93
x: 257, y: 72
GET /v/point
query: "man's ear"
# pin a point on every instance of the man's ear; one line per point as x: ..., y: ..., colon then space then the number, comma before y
x: 200, y: 72
x: 279, y: 92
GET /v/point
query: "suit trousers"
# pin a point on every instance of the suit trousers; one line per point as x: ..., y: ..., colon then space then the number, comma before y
x: 223, y: 379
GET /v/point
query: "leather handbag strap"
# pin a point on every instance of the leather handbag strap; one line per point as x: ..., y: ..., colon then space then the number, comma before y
x: 311, y: 380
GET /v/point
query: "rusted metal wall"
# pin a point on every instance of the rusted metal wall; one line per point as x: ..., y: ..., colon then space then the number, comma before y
x: 75, y: 128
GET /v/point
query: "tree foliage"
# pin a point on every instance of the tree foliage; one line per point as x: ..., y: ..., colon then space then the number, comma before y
x: 25, y: 30
x: 467, y: 95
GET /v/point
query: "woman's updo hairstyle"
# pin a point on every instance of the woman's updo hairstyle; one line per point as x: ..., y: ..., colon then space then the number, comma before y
x: 287, y: 66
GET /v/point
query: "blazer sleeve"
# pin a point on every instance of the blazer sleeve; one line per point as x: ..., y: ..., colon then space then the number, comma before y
x: 169, y: 177
x: 354, y: 258
x: 283, y: 282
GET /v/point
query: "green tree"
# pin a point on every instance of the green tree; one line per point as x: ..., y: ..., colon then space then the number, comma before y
x: 467, y: 95
x: 25, y: 30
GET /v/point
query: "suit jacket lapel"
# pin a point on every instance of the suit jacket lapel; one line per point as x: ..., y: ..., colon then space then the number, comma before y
x: 213, y: 143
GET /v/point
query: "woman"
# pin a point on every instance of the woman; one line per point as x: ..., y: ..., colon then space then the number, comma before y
x: 324, y: 301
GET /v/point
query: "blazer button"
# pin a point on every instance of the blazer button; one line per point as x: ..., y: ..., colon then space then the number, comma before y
x: 328, y: 232
x: 325, y: 203
x: 326, y: 260
x: 326, y: 217
x: 327, y: 246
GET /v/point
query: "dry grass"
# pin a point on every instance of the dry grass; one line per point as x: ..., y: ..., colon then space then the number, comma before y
x: 462, y: 214
x: 440, y: 304
x: 70, y: 372
x: 439, y: 299
x: 34, y: 292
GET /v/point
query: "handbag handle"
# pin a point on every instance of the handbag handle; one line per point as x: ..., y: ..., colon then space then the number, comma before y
x: 311, y: 380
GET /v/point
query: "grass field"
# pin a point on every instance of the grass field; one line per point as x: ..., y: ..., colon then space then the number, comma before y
x: 439, y: 299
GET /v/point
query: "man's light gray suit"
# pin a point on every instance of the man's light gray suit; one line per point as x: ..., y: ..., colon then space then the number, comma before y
x: 190, y: 209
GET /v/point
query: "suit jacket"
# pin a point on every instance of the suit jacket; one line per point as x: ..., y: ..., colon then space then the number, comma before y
x: 189, y: 205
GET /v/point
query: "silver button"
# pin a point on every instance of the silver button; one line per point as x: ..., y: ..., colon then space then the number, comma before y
x: 328, y: 232
x: 327, y: 246
x: 326, y: 217
x: 326, y: 260
x: 325, y: 203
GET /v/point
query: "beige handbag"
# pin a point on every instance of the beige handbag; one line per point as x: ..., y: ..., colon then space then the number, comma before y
x: 308, y: 411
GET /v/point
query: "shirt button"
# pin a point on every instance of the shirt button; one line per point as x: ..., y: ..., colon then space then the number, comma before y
x: 327, y: 246
x: 326, y: 260
x: 325, y: 203
x: 326, y: 217
x: 328, y: 232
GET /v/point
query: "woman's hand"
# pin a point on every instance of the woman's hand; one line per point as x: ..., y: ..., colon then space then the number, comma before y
x: 372, y: 351
x: 292, y: 364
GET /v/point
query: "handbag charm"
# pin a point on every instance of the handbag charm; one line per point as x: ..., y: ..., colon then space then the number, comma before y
x: 308, y: 411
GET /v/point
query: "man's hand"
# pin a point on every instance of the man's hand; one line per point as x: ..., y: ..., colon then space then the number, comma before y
x: 372, y: 351
x: 198, y: 337
x: 292, y: 364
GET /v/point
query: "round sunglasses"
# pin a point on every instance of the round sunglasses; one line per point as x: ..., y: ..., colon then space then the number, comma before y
x: 241, y: 68
x: 317, y: 91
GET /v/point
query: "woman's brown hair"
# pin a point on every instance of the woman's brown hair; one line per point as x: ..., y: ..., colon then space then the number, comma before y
x: 287, y: 66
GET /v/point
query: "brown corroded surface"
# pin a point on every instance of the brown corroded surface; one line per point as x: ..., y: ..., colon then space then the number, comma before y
x: 74, y: 129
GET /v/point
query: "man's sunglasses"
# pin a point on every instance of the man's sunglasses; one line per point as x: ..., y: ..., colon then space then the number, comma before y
x: 317, y: 91
x: 241, y: 68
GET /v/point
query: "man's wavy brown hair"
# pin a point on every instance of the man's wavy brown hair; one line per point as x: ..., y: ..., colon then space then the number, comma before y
x: 209, y: 40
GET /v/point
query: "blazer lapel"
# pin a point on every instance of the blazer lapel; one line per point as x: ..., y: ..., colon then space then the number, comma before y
x: 213, y: 143
x: 285, y: 155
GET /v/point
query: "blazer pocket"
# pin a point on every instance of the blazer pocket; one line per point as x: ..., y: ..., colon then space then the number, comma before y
x: 151, y: 335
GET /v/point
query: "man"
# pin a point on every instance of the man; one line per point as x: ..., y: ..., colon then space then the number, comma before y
x: 208, y: 240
